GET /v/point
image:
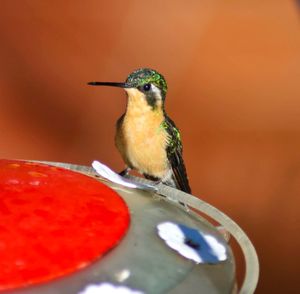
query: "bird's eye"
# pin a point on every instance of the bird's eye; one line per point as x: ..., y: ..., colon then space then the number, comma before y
x: 147, y: 87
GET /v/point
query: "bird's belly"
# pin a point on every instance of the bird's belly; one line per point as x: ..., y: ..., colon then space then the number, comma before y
x: 144, y: 151
x: 149, y: 157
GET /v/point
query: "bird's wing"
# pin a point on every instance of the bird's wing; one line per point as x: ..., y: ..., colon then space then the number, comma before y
x: 174, y: 153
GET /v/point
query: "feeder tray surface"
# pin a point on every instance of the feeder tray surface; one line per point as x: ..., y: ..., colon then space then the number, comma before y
x: 63, y: 224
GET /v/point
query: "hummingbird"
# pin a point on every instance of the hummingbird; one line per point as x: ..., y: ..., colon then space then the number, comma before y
x: 147, y: 139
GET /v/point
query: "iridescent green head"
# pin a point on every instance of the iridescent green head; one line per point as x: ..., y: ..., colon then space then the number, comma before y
x: 143, y: 78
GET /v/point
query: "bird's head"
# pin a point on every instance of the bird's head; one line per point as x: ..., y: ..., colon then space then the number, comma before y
x: 144, y: 83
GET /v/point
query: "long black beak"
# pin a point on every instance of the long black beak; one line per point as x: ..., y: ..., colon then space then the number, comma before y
x: 111, y: 84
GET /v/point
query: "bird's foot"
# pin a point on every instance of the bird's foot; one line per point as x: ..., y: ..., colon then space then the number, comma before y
x: 125, y: 172
x: 155, y: 180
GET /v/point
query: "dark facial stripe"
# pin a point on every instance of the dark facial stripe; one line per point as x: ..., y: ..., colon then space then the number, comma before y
x: 151, y: 99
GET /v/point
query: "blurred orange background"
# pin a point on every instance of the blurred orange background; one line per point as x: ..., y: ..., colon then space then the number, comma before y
x: 233, y: 71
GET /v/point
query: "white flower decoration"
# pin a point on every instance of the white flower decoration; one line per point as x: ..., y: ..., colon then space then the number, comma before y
x: 191, y: 243
x: 105, y: 172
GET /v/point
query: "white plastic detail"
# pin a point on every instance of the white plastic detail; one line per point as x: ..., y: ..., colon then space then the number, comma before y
x: 108, y: 288
x: 110, y: 175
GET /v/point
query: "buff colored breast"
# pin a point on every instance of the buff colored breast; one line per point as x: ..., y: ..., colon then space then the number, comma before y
x: 140, y: 139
